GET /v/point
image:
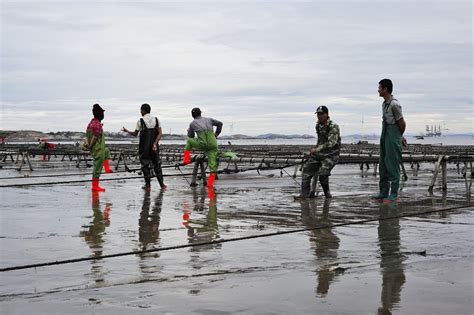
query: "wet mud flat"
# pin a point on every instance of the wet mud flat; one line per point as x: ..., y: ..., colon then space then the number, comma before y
x: 348, y: 255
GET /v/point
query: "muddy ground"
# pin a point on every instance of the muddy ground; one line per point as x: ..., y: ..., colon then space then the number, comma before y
x: 421, y: 264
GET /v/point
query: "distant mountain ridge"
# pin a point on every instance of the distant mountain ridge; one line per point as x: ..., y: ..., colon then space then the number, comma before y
x: 33, y: 135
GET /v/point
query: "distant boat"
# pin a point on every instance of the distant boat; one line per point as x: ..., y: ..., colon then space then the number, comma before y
x: 433, y: 131
x: 420, y: 137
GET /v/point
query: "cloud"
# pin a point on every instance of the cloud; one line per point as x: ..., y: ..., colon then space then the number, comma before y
x: 262, y: 65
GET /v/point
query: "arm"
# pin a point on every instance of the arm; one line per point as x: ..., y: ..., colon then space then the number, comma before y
x: 92, y: 143
x: 190, y: 131
x: 132, y: 133
x: 158, y: 138
x: 402, y: 126
x: 219, y: 125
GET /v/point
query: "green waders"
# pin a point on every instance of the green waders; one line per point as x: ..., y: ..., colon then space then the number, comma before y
x: 99, y: 154
x: 205, y: 141
x: 390, y: 158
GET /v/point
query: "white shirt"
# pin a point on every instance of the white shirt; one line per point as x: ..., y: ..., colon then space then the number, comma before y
x: 150, y: 122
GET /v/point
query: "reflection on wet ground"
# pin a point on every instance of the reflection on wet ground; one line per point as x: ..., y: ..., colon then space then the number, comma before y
x: 409, y: 265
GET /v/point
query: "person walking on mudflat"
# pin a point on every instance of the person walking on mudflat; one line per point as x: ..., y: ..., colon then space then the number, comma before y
x: 391, y: 141
x: 323, y: 157
x: 206, y: 141
x: 150, y: 131
x: 95, y: 142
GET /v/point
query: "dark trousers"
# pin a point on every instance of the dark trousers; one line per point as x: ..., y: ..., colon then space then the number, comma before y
x: 153, y: 161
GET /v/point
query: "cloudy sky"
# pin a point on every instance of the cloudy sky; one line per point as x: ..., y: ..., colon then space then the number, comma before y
x: 258, y: 66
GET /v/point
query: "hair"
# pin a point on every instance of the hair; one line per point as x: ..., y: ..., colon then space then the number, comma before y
x: 146, y: 108
x: 195, y: 112
x: 387, y: 83
x: 98, y: 112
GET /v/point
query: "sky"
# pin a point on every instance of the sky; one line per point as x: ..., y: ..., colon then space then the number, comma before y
x: 257, y: 66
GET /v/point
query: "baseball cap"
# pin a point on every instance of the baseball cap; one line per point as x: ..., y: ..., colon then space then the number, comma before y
x: 322, y: 109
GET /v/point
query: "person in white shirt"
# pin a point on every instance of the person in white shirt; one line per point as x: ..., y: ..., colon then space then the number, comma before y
x: 149, y: 128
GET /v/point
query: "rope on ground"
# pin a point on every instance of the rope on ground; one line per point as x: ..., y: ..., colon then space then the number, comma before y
x: 291, y: 177
x: 116, y: 178
x: 152, y: 250
x: 84, y: 181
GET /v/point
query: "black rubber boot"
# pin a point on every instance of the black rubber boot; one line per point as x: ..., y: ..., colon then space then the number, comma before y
x: 324, y: 180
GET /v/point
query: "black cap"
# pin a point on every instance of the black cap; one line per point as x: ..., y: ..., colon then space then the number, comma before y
x: 322, y: 109
x: 97, y: 107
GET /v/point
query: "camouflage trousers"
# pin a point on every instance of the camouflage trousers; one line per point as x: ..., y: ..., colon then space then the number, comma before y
x: 317, y: 166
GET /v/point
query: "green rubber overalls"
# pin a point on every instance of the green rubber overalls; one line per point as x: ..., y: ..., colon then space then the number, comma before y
x: 205, y: 141
x: 99, y: 153
x: 390, y: 158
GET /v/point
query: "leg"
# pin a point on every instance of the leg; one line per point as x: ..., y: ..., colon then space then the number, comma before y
x: 106, y: 161
x: 191, y: 144
x: 98, y: 161
x: 384, y: 185
x: 145, y: 166
x: 157, y: 167
x: 392, y: 161
x: 393, y: 157
x: 310, y: 169
x: 212, y: 163
x: 324, y: 172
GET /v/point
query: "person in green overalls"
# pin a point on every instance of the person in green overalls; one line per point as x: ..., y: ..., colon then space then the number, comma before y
x: 205, y: 141
x: 95, y: 142
x: 391, y: 141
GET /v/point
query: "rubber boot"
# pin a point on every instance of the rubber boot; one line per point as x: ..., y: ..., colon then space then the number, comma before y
x: 324, y: 181
x: 107, y: 167
x: 326, y: 191
x: 95, y: 185
x: 391, y: 198
x: 187, y: 157
x: 210, y: 180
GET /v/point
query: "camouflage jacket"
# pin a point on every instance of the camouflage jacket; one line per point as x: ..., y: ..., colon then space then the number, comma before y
x: 329, y: 139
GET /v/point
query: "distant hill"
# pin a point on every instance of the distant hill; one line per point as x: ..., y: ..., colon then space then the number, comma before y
x: 280, y: 136
x: 31, y: 135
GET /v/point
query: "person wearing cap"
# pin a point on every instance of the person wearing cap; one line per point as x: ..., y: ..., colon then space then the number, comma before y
x: 150, y: 131
x: 205, y: 141
x: 95, y: 142
x: 323, y: 157
x: 391, y: 141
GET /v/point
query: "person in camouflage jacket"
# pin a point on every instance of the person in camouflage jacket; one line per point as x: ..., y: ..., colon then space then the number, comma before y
x: 323, y: 157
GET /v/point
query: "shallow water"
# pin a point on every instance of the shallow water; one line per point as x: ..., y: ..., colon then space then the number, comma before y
x: 413, y: 265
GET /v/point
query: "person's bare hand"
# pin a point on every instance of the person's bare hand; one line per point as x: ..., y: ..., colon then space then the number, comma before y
x: 404, y: 142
